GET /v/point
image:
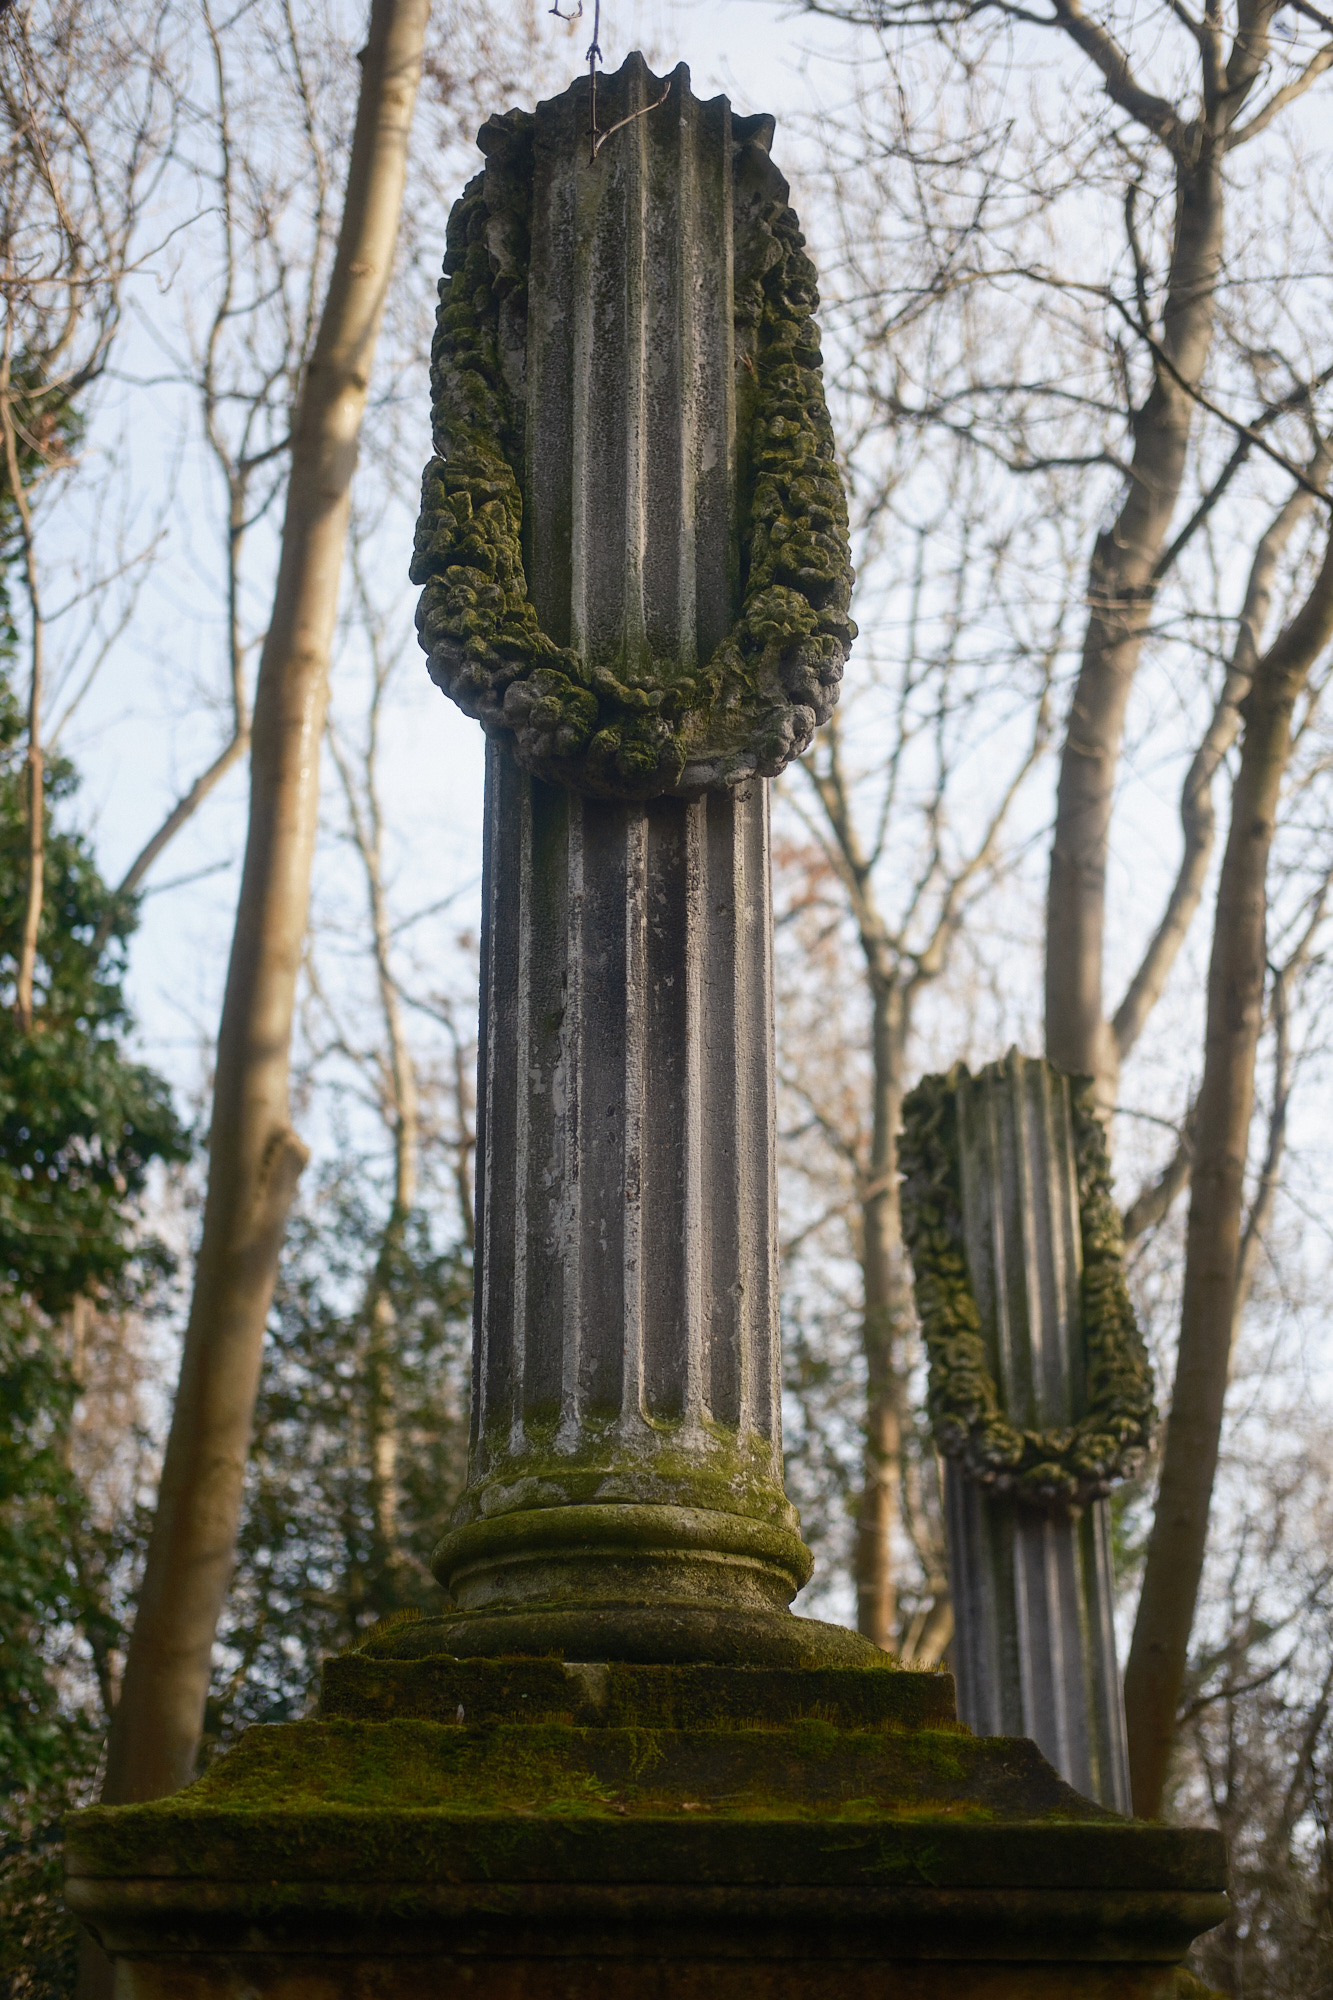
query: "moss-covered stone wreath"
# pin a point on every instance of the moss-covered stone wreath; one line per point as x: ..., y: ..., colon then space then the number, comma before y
x: 758, y: 700
x: 1068, y: 1466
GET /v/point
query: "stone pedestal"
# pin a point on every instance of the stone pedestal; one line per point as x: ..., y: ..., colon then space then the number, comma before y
x: 529, y: 1830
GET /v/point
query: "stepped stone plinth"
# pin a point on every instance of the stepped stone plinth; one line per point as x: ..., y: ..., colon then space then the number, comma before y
x: 522, y: 1829
x: 614, y: 1763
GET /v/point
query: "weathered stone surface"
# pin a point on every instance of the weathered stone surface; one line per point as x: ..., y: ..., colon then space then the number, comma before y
x: 578, y: 1806
x: 363, y: 1688
x: 626, y: 1441
x: 679, y: 1631
x: 627, y: 368
x: 633, y: 540
x: 721, y: 1832
x: 1004, y: 1217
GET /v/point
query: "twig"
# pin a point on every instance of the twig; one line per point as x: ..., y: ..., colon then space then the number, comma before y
x: 596, y: 137
x: 1205, y: 402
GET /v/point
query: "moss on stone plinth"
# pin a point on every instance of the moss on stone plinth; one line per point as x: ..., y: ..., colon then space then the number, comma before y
x: 734, y: 1786
x: 364, y: 1687
x: 510, y: 1826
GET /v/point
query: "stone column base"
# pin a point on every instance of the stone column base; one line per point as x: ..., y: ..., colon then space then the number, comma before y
x: 536, y: 1829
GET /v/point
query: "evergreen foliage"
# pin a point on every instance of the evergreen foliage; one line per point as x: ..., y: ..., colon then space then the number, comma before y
x: 81, y: 1125
x: 339, y: 1400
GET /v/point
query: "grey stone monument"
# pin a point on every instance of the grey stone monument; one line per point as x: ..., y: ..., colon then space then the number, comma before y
x: 616, y: 1764
x: 1040, y: 1398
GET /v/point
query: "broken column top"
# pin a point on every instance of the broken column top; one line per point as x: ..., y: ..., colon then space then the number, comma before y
x: 633, y: 537
x: 1040, y: 1384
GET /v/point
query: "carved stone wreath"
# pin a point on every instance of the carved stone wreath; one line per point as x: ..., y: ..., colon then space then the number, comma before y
x: 756, y: 702
x: 1059, y: 1467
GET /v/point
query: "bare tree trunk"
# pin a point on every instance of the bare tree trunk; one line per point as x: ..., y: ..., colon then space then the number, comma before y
x: 1122, y: 587
x: 895, y: 975
x: 888, y: 1318
x: 1265, y: 1194
x: 381, y: 1407
x: 32, y: 914
x: 36, y: 762
x: 466, y: 1143
x: 1198, y: 819
x: 255, y: 1156
x: 1156, y: 1669
x: 399, y: 1097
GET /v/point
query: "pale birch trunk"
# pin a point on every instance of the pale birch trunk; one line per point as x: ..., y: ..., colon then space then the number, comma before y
x: 1122, y: 588
x: 888, y: 1320
x: 255, y: 1157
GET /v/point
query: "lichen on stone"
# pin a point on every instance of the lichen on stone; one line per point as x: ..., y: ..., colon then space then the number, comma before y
x: 1066, y: 1466
x: 757, y: 700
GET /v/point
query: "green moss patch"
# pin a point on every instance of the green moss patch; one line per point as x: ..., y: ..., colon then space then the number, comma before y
x: 321, y: 1811
x: 1076, y: 1463
x: 557, y: 1770
x: 719, y: 1471
x: 368, y: 1687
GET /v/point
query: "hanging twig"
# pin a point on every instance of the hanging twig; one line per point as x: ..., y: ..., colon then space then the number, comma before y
x: 596, y: 137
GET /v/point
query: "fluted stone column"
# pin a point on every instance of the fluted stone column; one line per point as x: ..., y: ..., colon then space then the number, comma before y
x: 643, y: 351
x: 1033, y: 1588
x: 625, y: 1406
x: 1030, y: 1569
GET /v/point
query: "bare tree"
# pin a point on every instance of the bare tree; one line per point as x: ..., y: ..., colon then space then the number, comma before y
x: 244, y: 364
x: 900, y: 961
x: 87, y: 124
x: 909, y: 797
x: 1173, y: 144
x: 1198, y: 821
x: 1186, y: 363
x: 1213, y: 1256
x: 255, y: 1156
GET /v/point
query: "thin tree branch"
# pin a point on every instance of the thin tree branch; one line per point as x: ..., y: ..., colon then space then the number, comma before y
x: 1321, y: 61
